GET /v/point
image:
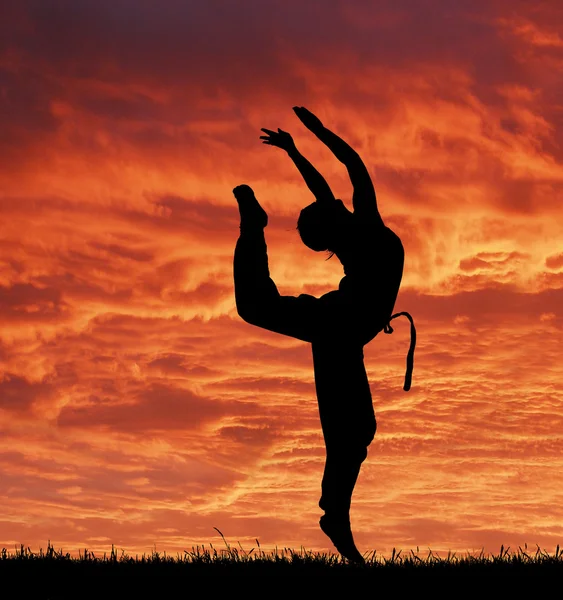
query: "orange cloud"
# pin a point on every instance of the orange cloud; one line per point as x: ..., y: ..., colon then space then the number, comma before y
x: 137, y: 408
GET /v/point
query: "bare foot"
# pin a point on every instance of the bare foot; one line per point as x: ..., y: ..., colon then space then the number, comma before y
x: 251, y: 213
x: 340, y: 534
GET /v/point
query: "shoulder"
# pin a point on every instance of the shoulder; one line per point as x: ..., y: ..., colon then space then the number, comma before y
x: 376, y: 233
x: 390, y: 242
x: 383, y: 232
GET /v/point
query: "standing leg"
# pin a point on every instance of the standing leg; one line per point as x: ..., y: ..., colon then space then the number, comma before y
x: 342, y: 468
x: 348, y: 423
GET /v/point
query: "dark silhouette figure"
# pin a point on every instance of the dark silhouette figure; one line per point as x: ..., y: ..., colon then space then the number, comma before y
x: 339, y: 323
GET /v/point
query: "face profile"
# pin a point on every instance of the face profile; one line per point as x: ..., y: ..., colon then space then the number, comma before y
x: 324, y: 226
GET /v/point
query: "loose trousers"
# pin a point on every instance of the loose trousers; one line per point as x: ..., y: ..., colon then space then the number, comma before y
x: 337, y: 332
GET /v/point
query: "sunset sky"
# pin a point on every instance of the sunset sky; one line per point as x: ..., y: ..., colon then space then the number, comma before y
x: 137, y: 408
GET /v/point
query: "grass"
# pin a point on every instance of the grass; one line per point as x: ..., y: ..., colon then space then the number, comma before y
x: 61, y: 575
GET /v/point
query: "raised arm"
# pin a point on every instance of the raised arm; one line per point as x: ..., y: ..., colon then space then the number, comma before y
x: 364, y: 200
x: 314, y: 180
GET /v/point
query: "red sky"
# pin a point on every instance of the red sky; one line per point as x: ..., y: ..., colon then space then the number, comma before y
x: 137, y: 408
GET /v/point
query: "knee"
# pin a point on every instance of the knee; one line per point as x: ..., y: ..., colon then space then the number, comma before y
x: 247, y: 313
x: 361, y: 454
x: 258, y: 308
x: 371, y: 429
x: 249, y: 316
x: 356, y: 455
x: 252, y: 314
x: 350, y: 453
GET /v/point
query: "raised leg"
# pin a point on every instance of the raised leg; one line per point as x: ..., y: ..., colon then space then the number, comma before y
x: 257, y: 298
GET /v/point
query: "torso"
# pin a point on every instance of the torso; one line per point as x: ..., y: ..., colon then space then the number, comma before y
x: 373, y: 266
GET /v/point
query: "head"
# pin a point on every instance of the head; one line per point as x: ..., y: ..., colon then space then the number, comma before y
x: 323, y: 225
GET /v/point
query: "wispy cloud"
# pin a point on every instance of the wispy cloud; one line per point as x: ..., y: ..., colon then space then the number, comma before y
x: 136, y: 408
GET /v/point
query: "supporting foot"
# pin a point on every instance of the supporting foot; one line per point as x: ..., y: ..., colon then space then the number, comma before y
x: 340, y: 534
x: 251, y: 213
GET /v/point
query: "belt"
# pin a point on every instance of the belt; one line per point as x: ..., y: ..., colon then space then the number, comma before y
x: 410, y: 356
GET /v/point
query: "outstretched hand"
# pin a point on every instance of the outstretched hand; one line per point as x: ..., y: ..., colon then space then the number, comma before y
x: 280, y: 139
x: 308, y: 119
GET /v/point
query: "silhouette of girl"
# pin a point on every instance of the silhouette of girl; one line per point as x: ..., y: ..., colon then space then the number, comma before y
x: 339, y: 323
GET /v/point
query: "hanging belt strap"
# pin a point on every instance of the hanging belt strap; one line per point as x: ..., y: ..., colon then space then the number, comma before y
x: 410, y: 355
